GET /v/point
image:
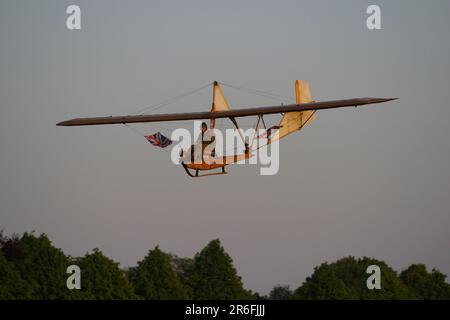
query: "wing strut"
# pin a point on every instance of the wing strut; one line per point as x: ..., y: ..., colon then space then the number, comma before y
x: 240, y: 133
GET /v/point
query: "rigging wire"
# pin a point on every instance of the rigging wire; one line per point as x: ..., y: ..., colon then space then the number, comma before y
x: 163, y: 104
x: 265, y: 94
x: 268, y: 95
x: 134, y: 130
x: 171, y: 100
x: 140, y: 134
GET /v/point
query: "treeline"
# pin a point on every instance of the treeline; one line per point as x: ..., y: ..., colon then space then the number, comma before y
x: 32, y: 268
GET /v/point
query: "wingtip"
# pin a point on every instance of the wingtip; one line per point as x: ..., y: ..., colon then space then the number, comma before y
x: 64, y: 123
x: 387, y: 99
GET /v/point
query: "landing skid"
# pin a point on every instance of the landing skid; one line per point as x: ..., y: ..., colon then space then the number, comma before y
x: 196, y: 175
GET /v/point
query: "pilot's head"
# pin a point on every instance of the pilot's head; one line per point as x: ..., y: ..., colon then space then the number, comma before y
x: 204, y: 127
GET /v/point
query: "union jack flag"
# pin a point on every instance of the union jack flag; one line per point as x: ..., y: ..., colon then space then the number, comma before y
x: 158, y: 140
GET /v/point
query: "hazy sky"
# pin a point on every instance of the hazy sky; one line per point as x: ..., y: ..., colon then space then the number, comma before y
x: 373, y: 181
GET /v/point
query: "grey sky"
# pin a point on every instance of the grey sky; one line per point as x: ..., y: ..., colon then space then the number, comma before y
x: 374, y: 181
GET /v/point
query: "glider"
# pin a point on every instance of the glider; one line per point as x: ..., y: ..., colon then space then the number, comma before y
x: 294, y: 118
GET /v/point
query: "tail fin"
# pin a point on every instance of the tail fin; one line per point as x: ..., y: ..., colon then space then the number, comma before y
x: 294, y: 121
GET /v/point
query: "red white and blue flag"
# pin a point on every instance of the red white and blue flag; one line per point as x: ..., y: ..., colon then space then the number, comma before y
x: 158, y: 140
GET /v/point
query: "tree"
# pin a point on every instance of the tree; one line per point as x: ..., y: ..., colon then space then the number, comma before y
x: 12, y: 286
x: 102, y: 279
x: 214, y: 276
x: 40, y: 265
x: 183, y: 267
x: 429, y: 286
x: 155, y: 279
x: 346, y: 279
x: 10, y: 247
x: 323, y: 284
x: 32, y: 268
x: 257, y: 296
x: 280, y: 293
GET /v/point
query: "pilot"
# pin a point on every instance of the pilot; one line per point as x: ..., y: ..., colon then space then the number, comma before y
x: 205, y: 139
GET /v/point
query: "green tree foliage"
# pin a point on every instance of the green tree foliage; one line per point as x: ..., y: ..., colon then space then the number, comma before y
x: 280, y: 293
x: 12, y: 286
x: 101, y: 278
x: 41, y: 266
x: 32, y: 268
x: 183, y: 267
x: 426, y: 285
x: 154, y: 278
x: 257, y: 296
x: 214, y: 276
x: 346, y: 279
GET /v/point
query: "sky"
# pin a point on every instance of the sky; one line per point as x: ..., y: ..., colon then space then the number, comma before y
x: 372, y: 181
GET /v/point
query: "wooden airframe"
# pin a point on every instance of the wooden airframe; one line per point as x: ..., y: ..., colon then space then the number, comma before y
x: 294, y: 118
